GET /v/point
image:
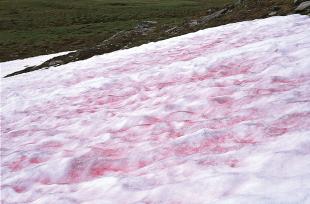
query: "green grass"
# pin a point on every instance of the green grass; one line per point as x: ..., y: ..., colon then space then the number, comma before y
x: 34, y: 27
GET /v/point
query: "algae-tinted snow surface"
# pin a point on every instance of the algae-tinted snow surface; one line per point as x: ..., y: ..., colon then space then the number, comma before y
x: 217, y: 116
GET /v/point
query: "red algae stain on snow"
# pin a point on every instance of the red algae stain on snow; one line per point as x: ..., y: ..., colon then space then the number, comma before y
x: 51, y: 145
x: 174, y: 119
x: 97, y: 162
x: 18, y: 164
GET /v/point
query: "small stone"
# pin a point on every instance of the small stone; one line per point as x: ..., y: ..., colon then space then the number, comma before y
x: 193, y: 23
x: 172, y: 30
x: 145, y: 26
x: 55, y: 63
x: 214, y: 15
x: 272, y: 13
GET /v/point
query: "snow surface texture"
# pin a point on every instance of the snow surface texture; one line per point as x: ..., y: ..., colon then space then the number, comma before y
x: 17, y: 65
x: 216, y: 116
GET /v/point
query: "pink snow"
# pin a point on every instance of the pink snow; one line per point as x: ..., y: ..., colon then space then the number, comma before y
x: 217, y: 116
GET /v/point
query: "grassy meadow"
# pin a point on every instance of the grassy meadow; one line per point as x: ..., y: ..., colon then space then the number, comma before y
x: 35, y: 27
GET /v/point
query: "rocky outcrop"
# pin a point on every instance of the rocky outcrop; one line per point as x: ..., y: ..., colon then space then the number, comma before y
x: 145, y: 26
x: 297, y: 2
x: 217, y: 14
x: 206, y: 19
x: 303, y: 6
x: 149, y: 30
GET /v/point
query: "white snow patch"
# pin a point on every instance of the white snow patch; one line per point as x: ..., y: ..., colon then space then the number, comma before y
x: 217, y: 116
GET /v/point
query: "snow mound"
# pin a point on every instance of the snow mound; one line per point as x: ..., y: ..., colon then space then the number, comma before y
x: 10, y: 67
x: 217, y: 116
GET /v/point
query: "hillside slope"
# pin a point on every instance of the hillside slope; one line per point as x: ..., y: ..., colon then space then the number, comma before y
x: 217, y: 116
x: 31, y: 28
x: 36, y: 27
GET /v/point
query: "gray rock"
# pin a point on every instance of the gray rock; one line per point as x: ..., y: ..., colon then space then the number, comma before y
x: 273, y: 13
x: 145, y: 26
x: 172, y: 30
x: 55, y: 63
x: 297, y: 2
x: 193, y: 23
x: 214, y: 15
x: 303, y: 6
